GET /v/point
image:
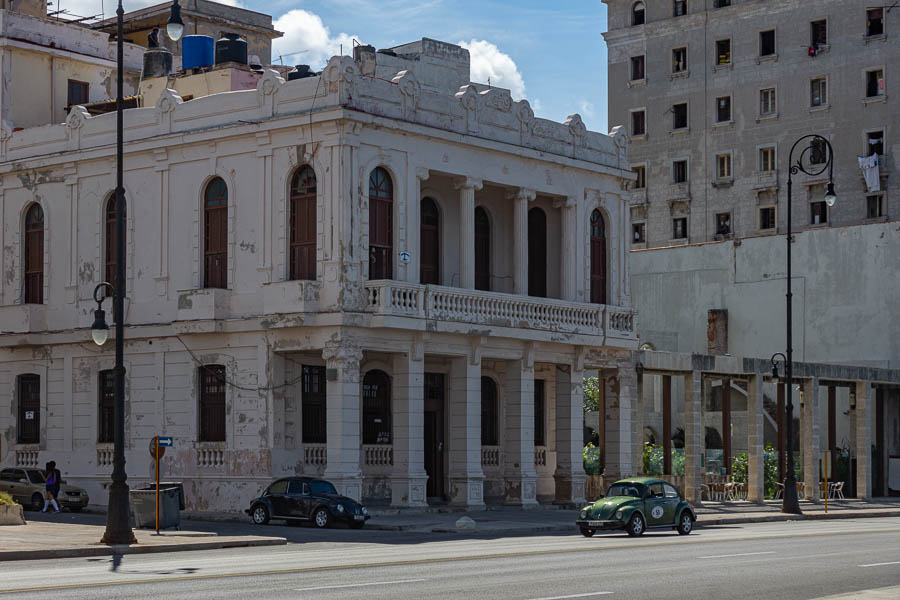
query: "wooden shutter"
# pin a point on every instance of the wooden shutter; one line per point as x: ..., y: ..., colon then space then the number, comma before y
x: 212, y: 403
x: 303, y: 223
x: 537, y: 253
x: 314, y: 394
x: 29, y: 417
x: 107, y: 407
x: 34, y: 255
x: 215, y: 268
x: 381, y: 225
x: 430, y: 243
x: 489, y: 413
x: 376, y: 408
x: 482, y: 250
x: 598, y: 258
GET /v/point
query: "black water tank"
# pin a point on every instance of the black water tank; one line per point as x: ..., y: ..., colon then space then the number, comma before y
x: 157, y: 63
x: 231, y: 48
x: 300, y: 72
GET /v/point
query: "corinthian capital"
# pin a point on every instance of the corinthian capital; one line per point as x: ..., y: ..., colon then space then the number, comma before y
x: 343, y: 355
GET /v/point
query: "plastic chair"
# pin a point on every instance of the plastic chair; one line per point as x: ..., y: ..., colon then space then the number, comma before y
x: 838, y: 490
x: 779, y: 490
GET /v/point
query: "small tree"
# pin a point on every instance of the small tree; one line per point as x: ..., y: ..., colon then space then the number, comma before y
x: 591, y: 387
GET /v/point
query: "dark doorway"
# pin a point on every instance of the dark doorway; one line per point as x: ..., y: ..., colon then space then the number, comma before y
x: 434, y: 435
x: 377, y: 408
x: 598, y: 258
x: 482, y: 250
x: 537, y: 253
x: 430, y: 240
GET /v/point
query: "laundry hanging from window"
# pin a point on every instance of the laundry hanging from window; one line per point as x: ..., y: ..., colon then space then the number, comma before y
x: 869, y: 166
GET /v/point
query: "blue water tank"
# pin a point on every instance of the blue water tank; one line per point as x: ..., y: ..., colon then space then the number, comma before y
x: 197, y: 51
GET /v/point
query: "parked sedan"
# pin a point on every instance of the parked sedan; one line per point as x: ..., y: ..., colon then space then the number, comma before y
x: 636, y: 505
x: 306, y: 499
x: 27, y: 487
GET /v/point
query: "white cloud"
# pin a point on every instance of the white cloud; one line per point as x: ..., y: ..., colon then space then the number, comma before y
x: 305, y: 31
x: 587, y: 109
x: 488, y: 63
x: 96, y: 8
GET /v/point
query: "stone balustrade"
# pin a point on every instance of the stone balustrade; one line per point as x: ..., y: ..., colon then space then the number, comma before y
x: 490, y: 456
x: 28, y: 459
x: 378, y: 455
x: 210, y: 458
x: 540, y: 457
x: 105, y: 457
x: 315, y: 454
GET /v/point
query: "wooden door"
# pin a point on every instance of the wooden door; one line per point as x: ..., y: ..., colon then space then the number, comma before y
x: 29, y: 421
x: 434, y: 434
x: 482, y: 250
x: 430, y: 243
x: 215, y: 270
x: 537, y: 253
x: 303, y: 225
x: 34, y: 255
x: 381, y: 225
x: 598, y: 258
x: 212, y: 403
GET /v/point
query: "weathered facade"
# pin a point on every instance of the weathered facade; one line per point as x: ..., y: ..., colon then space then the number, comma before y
x: 395, y: 283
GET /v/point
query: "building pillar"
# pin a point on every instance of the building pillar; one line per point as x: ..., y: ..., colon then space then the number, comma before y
x: 667, y: 423
x: 638, y: 434
x: 756, y: 490
x: 865, y: 411
x: 520, y: 198
x: 467, y: 187
x: 810, y: 425
x: 414, y: 228
x: 567, y: 249
x: 617, y: 441
x: 726, y: 425
x: 408, y: 477
x: 693, y: 435
x: 343, y: 401
x: 519, y: 476
x: 466, y: 477
x: 569, y: 474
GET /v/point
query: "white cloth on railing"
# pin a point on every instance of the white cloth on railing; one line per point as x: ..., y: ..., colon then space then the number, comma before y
x: 869, y: 166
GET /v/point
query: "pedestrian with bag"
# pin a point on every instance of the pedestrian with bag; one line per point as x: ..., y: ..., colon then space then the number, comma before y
x: 52, y: 477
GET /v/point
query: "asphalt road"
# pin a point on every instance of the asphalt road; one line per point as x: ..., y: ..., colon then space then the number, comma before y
x: 796, y: 560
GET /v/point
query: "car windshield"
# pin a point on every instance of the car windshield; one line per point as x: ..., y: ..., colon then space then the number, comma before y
x: 624, y: 489
x: 321, y: 487
x: 35, y: 476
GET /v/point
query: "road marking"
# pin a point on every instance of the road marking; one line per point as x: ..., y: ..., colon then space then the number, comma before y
x: 733, y: 555
x: 352, y: 585
x: 896, y: 562
x: 588, y: 595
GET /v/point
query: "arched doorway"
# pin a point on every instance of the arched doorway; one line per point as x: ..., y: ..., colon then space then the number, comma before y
x: 598, y: 258
x: 537, y: 253
x: 482, y: 250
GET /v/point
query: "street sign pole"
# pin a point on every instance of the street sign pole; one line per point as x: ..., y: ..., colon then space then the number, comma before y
x: 826, y: 453
x: 156, y: 440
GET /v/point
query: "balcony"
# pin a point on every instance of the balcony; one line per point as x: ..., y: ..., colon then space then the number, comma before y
x: 400, y: 299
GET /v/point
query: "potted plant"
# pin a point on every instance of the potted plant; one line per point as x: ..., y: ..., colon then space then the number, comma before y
x: 10, y: 512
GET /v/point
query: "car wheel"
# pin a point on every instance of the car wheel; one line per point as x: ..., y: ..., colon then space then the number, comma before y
x: 357, y: 525
x: 685, y: 523
x: 37, y: 502
x: 635, y: 525
x: 321, y: 517
x: 260, y: 514
x: 587, y: 532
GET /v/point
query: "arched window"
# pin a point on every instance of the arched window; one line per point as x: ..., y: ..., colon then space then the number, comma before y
x: 110, y: 242
x: 303, y: 224
x: 490, y: 413
x: 376, y: 408
x: 215, y: 240
x: 598, y: 258
x: 537, y: 253
x: 637, y: 14
x: 482, y: 250
x: 430, y: 243
x: 34, y: 255
x: 381, y: 225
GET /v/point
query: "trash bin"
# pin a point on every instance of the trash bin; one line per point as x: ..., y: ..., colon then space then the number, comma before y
x: 143, y: 505
x: 177, y: 484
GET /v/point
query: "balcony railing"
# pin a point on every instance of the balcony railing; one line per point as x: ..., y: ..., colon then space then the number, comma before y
x: 490, y: 456
x: 397, y: 298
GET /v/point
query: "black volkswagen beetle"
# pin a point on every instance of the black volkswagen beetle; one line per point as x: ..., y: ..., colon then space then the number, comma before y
x: 306, y: 499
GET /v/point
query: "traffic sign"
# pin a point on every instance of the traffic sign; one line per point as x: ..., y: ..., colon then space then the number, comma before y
x: 165, y: 441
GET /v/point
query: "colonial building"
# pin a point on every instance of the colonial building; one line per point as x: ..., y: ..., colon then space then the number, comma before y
x: 394, y: 282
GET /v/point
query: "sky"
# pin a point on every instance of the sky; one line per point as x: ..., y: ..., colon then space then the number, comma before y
x: 550, y: 52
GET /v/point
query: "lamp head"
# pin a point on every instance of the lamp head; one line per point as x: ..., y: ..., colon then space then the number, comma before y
x: 100, y: 330
x: 175, y: 26
x: 774, y: 370
x: 830, y: 196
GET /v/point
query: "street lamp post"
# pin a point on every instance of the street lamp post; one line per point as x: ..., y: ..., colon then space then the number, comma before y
x: 118, y: 519
x: 790, y: 501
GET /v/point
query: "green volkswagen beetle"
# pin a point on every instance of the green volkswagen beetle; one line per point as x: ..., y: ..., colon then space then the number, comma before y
x: 636, y: 505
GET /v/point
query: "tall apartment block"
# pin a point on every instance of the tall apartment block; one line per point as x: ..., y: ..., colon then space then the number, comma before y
x: 714, y: 93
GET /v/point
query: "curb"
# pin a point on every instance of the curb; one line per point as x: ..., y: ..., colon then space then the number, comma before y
x: 137, y: 549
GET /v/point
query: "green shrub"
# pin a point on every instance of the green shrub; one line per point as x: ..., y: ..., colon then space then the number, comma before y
x: 6, y: 499
x: 591, y: 388
x: 591, y: 455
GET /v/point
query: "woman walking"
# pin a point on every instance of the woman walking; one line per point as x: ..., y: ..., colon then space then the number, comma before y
x: 51, y: 476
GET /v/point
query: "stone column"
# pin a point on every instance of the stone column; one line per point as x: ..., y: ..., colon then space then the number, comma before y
x: 414, y: 227
x: 617, y: 439
x: 467, y: 187
x: 568, y: 242
x: 520, y: 198
x: 408, y: 476
x: 638, y: 432
x: 569, y: 473
x: 693, y: 435
x: 865, y: 413
x: 466, y: 477
x: 810, y: 425
x: 519, y: 476
x: 756, y: 491
x: 343, y: 401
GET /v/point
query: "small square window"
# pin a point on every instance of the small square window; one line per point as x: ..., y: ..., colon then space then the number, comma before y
x: 723, y: 52
x: 767, y: 102
x: 818, y: 213
x: 722, y: 3
x: 818, y: 92
x: 641, y: 172
x: 874, y: 21
x: 767, y: 43
x: 679, y: 228
x: 679, y: 171
x: 638, y: 233
x: 874, y: 206
x: 819, y: 33
x: 723, y: 166
x: 875, y: 143
x: 637, y: 68
x: 874, y: 83
x: 723, y: 223
x: 77, y: 93
x: 767, y: 217
x: 817, y: 152
x: 767, y: 159
x: 679, y: 60
x: 723, y: 109
x: 679, y: 8
x: 638, y: 123
x: 679, y: 116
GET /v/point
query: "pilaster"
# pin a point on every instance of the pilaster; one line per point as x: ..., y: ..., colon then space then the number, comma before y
x: 569, y: 473
x: 810, y: 424
x: 408, y: 477
x: 519, y: 476
x: 467, y: 187
x: 465, y: 475
x: 755, y: 441
x: 520, y: 198
x: 617, y: 424
x: 865, y: 413
x: 567, y: 250
x: 693, y: 435
x: 343, y: 400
